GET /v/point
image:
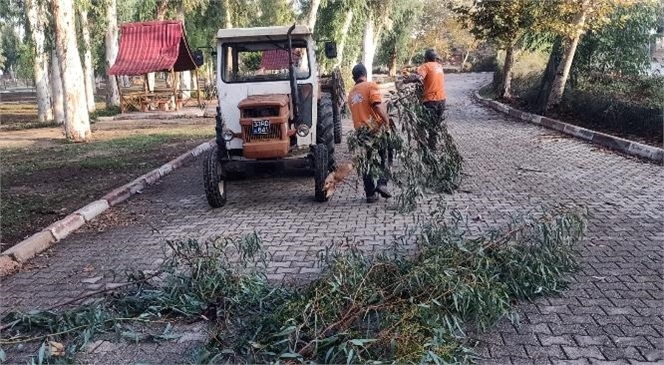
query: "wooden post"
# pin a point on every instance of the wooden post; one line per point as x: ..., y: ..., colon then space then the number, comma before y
x: 146, y: 89
x: 175, y: 88
x: 198, y: 88
x: 122, y: 106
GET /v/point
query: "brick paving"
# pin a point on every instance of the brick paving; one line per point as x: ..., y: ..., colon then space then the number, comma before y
x: 612, y: 313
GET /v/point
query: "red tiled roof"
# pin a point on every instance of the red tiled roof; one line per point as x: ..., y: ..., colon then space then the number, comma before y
x: 277, y: 59
x: 151, y: 47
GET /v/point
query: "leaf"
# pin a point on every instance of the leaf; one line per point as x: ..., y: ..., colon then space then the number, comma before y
x: 290, y: 355
x: 349, y: 358
x: 3, y: 355
x: 286, y: 331
x: 361, y: 342
x: 42, y: 353
x: 133, y: 336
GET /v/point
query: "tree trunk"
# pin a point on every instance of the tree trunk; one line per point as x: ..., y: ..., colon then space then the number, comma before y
x: 37, y: 20
x: 313, y: 13
x: 465, y: 59
x: 228, y: 14
x: 368, y: 48
x: 392, y: 62
x: 505, y: 89
x: 185, y: 76
x: 562, y: 73
x: 88, y: 71
x: 549, y: 76
x: 112, y: 91
x: 344, y: 36
x: 56, y: 87
x: 77, y: 120
x: 162, y: 8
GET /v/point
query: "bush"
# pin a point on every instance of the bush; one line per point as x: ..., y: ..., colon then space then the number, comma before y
x: 485, y: 64
x: 624, y: 117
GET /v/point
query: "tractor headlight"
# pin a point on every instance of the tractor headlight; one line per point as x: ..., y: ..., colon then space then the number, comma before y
x: 227, y: 135
x: 302, y: 130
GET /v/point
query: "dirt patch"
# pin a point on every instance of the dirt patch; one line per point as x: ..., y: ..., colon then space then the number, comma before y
x: 45, y: 178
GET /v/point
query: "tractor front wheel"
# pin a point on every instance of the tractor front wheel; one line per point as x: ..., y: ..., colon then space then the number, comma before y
x: 325, y: 127
x: 215, y: 183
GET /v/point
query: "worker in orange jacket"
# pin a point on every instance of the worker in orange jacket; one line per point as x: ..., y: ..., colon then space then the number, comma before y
x: 433, y: 79
x: 367, y: 110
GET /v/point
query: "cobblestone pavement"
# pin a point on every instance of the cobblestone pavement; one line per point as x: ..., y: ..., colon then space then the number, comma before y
x: 612, y: 314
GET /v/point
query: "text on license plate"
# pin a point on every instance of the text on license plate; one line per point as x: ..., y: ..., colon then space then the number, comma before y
x: 260, y: 127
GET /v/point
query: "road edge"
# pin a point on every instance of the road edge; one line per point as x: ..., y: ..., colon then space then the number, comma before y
x: 14, y: 257
x: 650, y: 153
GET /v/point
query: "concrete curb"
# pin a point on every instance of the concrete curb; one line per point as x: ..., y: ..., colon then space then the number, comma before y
x: 160, y: 116
x: 12, y: 258
x: 625, y: 146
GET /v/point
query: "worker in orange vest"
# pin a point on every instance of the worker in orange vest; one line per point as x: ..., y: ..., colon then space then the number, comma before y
x: 433, y: 79
x: 367, y: 110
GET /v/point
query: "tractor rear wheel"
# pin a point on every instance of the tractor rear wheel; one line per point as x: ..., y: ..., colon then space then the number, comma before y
x: 325, y: 127
x: 336, y: 114
x: 215, y: 183
x: 321, y: 170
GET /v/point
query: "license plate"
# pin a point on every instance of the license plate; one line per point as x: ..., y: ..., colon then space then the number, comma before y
x: 260, y: 127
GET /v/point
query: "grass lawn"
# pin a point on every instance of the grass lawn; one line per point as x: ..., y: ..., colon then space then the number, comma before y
x: 45, y: 178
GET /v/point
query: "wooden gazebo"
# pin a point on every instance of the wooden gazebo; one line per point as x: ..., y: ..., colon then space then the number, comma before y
x: 155, y: 46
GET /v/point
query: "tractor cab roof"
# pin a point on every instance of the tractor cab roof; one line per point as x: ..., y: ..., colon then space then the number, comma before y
x: 260, y: 33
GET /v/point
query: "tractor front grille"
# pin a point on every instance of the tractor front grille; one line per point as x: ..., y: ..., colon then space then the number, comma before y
x: 274, y: 134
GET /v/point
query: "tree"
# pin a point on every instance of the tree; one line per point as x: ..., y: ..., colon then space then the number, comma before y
x: 10, y: 46
x: 574, y: 18
x: 77, y: 120
x: 621, y: 45
x: 111, y: 42
x: 88, y: 71
x: 394, y: 45
x: 380, y: 17
x: 503, y: 23
x: 275, y: 12
x: 344, y: 24
x: 56, y: 88
x: 37, y: 21
x: 313, y: 12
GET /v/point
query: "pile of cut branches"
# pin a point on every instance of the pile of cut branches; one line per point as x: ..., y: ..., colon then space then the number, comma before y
x: 429, y: 159
x: 384, y: 308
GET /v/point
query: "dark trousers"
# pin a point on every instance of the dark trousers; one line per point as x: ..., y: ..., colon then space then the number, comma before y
x: 369, y: 181
x: 437, y: 108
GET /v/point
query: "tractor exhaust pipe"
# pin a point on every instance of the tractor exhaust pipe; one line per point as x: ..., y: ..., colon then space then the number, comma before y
x: 293, y: 80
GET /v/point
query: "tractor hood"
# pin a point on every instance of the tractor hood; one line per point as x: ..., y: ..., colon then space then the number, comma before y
x: 253, y: 101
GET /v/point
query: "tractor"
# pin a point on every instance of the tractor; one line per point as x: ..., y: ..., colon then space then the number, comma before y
x: 273, y: 109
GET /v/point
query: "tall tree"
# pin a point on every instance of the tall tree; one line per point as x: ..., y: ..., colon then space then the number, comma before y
x: 111, y: 43
x: 56, y: 87
x: 503, y: 23
x: 614, y: 48
x: 36, y: 15
x: 313, y: 13
x: 77, y: 119
x: 344, y: 24
x: 574, y: 18
x: 380, y: 14
x: 88, y: 71
x: 275, y: 12
x: 185, y: 76
x: 394, y: 45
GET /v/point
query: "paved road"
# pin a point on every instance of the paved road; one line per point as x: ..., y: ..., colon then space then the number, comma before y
x: 612, y: 314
